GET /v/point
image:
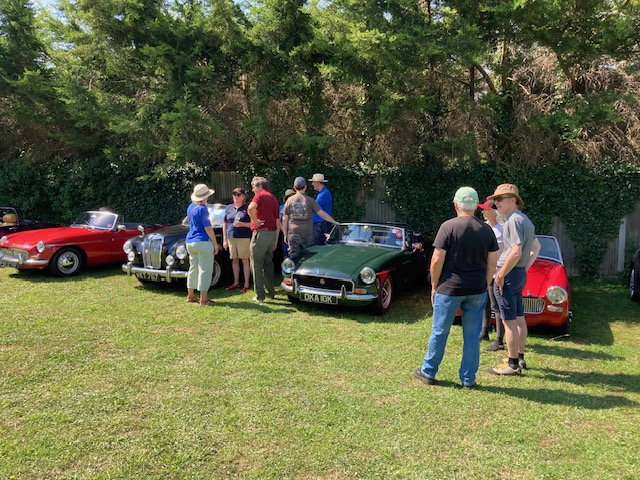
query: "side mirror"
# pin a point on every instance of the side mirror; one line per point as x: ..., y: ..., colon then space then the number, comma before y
x: 141, y: 229
x: 121, y: 228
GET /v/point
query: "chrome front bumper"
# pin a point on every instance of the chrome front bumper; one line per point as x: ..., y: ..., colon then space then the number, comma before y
x: 340, y: 295
x: 167, y: 274
x: 16, y: 262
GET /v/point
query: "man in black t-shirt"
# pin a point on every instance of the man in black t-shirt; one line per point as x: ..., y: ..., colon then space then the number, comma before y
x: 462, y: 265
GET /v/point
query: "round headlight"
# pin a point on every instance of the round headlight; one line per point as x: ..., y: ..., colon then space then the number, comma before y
x: 181, y: 252
x: 288, y: 266
x: 40, y: 246
x: 170, y: 260
x: 131, y: 256
x: 127, y: 247
x: 557, y: 295
x: 367, y: 275
x: 3, y: 240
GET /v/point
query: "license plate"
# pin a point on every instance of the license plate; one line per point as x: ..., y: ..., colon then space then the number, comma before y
x: 318, y: 298
x: 151, y: 277
x: 8, y: 263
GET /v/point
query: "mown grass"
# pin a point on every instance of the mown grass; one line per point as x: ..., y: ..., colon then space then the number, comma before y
x: 105, y: 378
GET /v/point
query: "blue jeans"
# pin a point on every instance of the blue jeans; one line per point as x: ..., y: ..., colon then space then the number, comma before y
x: 444, y: 311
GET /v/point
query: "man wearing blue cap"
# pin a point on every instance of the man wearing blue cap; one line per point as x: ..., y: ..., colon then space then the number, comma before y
x: 463, y: 263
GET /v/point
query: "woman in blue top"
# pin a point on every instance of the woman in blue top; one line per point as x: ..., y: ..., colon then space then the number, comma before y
x: 201, y: 250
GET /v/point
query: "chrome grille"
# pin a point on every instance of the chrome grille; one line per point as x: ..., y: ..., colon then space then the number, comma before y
x: 323, y: 282
x: 533, y: 305
x: 152, y: 251
x: 14, y: 252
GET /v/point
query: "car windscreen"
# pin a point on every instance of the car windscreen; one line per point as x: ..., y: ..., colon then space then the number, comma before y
x: 358, y: 234
x: 549, y: 249
x: 96, y: 220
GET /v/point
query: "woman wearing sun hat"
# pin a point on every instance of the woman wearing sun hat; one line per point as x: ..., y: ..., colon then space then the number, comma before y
x: 202, y: 246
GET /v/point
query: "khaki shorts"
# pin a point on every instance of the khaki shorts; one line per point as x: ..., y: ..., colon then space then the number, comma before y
x: 239, y: 247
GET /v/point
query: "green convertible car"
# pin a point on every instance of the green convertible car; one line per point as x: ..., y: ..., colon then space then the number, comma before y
x: 362, y: 264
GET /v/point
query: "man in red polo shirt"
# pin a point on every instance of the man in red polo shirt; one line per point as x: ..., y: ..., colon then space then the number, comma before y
x: 265, y: 225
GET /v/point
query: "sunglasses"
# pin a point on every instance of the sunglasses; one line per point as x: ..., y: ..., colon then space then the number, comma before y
x: 236, y: 194
x: 499, y: 199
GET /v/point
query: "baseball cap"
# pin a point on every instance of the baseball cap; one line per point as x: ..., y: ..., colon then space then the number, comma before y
x: 466, y: 195
x: 299, y: 183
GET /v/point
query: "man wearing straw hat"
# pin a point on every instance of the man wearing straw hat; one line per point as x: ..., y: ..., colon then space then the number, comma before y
x: 320, y: 226
x: 520, y: 250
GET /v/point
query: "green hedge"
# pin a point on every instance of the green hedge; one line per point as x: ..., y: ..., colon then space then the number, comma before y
x: 590, y: 199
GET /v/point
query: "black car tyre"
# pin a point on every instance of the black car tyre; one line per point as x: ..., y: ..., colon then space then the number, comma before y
x: 67, y: 262
x: 634, y: 285
x: 216, y: 278
x: 385, y: 296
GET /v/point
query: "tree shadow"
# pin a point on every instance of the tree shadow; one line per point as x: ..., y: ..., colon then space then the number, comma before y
x: 549, y: 396
x: 562, y: 350
x: 87, y: 273
x: 617, y: 382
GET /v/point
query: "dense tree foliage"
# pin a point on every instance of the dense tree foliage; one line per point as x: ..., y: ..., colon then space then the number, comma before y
x: 150, y: 94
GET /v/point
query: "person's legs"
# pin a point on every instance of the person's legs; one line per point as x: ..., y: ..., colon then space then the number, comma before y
x: 235, y: 262
x: 259, y: 248
x: 472, y: 307
x: 498, y: 343
x: 246, y: 271
x: 486, y: 318
x: 192, y: 274
x: 269, y: 273
x: 205, y: 267
x: 444, y: 311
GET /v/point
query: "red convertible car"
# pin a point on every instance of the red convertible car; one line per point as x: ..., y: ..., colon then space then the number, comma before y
x: 546, y: 294
x: 95, y: 238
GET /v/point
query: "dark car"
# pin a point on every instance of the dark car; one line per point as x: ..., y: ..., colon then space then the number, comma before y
x: 634, y: 277
x: 162, y: 256
x: 13, y: 222
x: 362, y: 264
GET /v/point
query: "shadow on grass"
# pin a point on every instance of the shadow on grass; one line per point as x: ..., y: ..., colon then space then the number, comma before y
x: 562, y: 350
x: 87, y: 273
x: 616, y: 382
x: 548, y: 396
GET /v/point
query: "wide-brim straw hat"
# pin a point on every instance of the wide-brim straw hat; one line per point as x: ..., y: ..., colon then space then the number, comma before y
x: 287, y: 193
x: 201, y: 192
x: 318, y: 177
x: 507, y: 189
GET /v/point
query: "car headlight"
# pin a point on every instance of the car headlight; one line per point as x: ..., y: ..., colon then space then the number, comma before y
x: 557, y: 295
x: 288, y: 266
x: 3, y: 240
x: 131, y: 256
x: 170, y: 260
x: 127, y: 247
x: 367, y: 275
x: 181, y: 252
x: 40, y: 246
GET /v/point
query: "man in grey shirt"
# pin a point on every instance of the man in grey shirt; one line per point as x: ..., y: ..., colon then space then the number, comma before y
x: 520, y: 250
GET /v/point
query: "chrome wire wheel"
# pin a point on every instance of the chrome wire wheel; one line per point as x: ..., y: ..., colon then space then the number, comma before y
x: 67, y: 262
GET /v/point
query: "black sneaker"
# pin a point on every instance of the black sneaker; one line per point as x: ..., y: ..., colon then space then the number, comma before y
x: 419, y: 374
x: 485, y: 337
x: 495, y: 346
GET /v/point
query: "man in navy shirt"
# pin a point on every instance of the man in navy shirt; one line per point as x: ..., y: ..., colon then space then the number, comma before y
x: 320, y: 226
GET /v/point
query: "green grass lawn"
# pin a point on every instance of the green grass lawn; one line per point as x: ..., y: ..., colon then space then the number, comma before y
x: 103, y: 377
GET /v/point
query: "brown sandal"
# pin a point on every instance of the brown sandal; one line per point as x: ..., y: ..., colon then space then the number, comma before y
x: 193, y: 300
x: 209, y: 303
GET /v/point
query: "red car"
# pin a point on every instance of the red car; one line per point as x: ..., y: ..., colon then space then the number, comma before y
x: 95, y: 238
x: 546, y: 294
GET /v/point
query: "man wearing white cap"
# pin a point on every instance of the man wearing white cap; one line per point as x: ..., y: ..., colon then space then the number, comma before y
x: 324, y: 199
x: 462, y: 265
